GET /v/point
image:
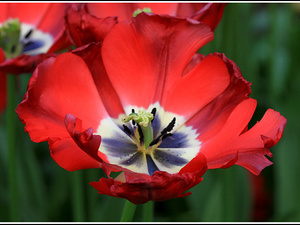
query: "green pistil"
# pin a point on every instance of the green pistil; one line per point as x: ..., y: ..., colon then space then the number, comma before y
x: 10, y: 33
x: 138, y: 11
x: 143, y: 119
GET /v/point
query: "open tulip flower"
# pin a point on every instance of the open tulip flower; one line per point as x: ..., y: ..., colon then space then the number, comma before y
x: 146, y: 105
x: 27, y: 32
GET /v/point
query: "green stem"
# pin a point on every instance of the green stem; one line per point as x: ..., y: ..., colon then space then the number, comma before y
x: 11, y: 139
x: 78, y: 201
x: 148, y: 211
x: 229, y: 195
x: 128, y: 212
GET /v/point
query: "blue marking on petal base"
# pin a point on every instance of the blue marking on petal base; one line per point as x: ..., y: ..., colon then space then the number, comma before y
x: 177, y: 140
x: 135, y: 159
x: 169, y: 159
x: 119, y: 147
x: 33, y: 44
x: 151, y: 165
x: 156, y: 125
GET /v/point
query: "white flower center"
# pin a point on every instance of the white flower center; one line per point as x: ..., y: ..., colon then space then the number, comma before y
x: 173, y: 144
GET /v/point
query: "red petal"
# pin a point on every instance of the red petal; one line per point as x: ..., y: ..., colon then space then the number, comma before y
x: 143, y: 57
x: 210, y: 120
x: 158, y: 8
x: 260, y: 138
x: 23, y: 63
x: 210, y: 14
x: 69, y: 156
x: 196, y: 89
x: 254, y: 162
x: 85, y: 140
x: 161, y: 186
x: 84, y: 28
x: 124, y: 11
x: 53, y: 19
x: 54, y: 91
x: 196, y: 164
x: 60, y: 86
x: 217, y: 150
x: 251, y: 146
x: 91, y: 54
x: 61, y: 42
x: 31, y: 13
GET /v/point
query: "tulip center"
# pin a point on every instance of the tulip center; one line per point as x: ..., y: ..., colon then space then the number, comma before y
x: 20, y: 38
x: 9, y: 38
x: 143, y: 133
x: 148, y: 140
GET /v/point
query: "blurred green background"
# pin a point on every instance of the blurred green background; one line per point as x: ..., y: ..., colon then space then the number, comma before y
x: 263, y: 40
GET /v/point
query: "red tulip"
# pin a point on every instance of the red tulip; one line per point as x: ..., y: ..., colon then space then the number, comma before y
x: 42, y: 30
x: 144, y: 104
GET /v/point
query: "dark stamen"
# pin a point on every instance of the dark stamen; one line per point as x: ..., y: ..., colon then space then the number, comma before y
x: 155, y: 141
x: 166, y: 135
x: 140, y: 133
x: 133, y: 122
x: 169, y: 127
x: 153, y: 112
x: 126, y: 129
x: 28, y: 34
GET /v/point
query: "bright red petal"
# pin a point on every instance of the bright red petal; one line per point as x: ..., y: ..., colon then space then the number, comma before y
x: 144, y: 57
x: 55, y: 90
x: 196, y: 89
x: 69, y: 156
x: 53, y: 19
x: 122, y: 10
x: 217, y: 150
x: 234, y: 145
x: 31, y: 13
x: 196, y: 164
x: 260, y: 137
x: 210, y: 119
x: 91, y: 54
x: 58, y: 87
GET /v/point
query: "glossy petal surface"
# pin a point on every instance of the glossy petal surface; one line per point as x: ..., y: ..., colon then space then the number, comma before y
x: 53, y: 93
x: 148, y: 55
